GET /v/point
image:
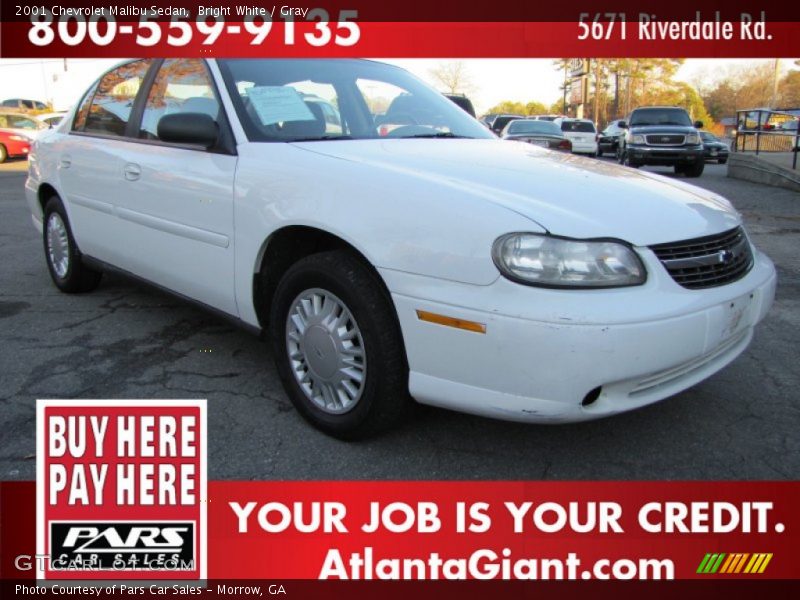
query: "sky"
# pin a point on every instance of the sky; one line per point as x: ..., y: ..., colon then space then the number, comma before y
x: 494, y: 80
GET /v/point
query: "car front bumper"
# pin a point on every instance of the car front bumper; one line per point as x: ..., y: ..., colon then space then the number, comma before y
x: 714, y: 154
x: 544, y: 351
x: 667, y: 155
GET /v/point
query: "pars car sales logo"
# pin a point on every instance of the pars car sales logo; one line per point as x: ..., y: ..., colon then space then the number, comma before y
x: 121, y: 489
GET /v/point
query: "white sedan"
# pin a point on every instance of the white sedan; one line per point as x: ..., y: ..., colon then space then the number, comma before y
x: 402, y: 252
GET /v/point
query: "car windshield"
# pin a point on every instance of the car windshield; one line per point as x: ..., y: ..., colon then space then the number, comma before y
x: 528, y: 126
x: 708, y: 137
x: 577, y: 126
x: 285, y: 100
x: 15, y: 121
x: 501, y: 121
x: 660, y: 116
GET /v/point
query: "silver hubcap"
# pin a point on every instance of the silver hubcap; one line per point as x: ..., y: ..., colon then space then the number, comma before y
x: 326, y: 351
x: 58, y: 245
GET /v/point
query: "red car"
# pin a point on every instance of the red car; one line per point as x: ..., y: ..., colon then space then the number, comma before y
x: 13, y: 144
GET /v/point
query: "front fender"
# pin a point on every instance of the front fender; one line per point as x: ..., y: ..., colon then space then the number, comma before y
x: 395, y: 220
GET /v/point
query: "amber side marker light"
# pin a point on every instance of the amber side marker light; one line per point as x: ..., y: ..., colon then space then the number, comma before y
x: 430, y: 317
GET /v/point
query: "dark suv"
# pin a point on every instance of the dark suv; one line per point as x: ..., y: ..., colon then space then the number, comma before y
x: 662, y: 135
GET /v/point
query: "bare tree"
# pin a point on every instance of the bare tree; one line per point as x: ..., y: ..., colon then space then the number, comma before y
x: 453, y: 76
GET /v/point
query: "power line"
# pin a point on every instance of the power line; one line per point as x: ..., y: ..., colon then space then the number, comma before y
x: 33, y: 62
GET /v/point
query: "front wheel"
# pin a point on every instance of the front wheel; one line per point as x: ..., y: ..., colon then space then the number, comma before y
x: 3, y: 154
x: 722, y: 161
x: 337, y: 346
x: 693, y: 170
x: 61, y: 252
x: 626, y: 160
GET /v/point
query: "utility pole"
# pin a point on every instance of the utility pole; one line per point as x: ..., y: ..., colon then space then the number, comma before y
x: 564, y: 103
x: 596, y: 111
x: 775, y: 77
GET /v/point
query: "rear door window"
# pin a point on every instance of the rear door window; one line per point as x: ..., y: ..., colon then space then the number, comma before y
x: 113, y: 101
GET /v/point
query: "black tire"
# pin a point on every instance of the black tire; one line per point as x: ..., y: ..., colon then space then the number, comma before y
x: 722, y: 161
x: 78, y: 278
x: 626, y: 160
x: 3, y: 154
x: 694, y: 170
x: 384, y: 401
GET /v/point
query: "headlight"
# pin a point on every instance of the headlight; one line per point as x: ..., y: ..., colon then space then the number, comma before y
x: 549, y: 261
x: 693, y: 138
x: 18, y: 138
x: 635, y: 139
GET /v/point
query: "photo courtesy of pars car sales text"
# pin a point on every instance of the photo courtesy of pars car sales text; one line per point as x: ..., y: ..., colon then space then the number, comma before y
x: 346, y: 291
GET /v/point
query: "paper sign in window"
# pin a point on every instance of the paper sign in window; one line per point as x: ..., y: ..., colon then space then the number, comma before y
x: 277, y: 104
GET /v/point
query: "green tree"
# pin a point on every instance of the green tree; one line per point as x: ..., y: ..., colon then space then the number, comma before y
x: 535, y: 108
x: 789, y: 90
x: 518, y: 108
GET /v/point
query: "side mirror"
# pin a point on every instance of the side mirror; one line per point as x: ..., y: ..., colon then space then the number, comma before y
x: 698, y: 124
x: 188, y: 128
x: 622, y: 125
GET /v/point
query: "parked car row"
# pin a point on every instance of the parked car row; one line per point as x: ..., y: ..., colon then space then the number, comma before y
x: 652, y: 135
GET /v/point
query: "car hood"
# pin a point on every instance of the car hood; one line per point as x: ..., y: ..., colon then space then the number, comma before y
x: 565, y: 194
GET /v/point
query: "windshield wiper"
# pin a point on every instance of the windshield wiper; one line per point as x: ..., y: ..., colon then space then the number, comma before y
x: 321, y: 138
x: 440, y: 134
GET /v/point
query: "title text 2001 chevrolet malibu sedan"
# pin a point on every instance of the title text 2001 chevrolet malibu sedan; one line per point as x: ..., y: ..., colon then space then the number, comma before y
x: 390, y: 244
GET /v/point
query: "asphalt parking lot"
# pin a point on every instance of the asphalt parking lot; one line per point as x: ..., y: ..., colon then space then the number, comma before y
x: 129, y: 341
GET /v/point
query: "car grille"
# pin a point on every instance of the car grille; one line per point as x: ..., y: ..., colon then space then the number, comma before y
x: 660, y: 139
x: 707, y: 261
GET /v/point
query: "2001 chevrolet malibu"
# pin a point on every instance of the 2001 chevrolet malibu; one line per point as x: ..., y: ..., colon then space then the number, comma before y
x: 391, y: 246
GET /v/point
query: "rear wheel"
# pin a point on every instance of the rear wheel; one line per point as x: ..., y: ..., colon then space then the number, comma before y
x: 3, y: 154
x: 337, y: 346
x: 61, y: 253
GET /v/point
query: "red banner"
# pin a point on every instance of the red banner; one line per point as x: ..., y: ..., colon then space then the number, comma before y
x: 479, y: 530
x: 350, y: 37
